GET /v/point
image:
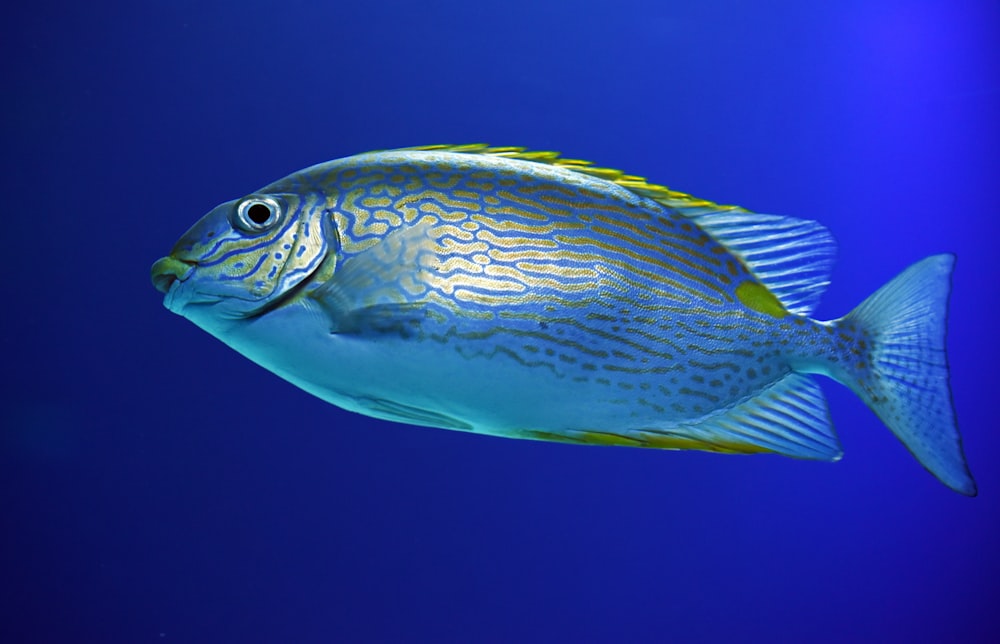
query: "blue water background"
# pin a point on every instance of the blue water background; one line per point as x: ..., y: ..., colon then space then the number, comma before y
x: 158, y: 487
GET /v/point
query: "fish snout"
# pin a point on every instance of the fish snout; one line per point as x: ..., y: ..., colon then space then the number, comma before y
x: 167, y: 270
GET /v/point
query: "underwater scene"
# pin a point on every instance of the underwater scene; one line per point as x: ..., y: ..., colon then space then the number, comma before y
x: 500, y: 322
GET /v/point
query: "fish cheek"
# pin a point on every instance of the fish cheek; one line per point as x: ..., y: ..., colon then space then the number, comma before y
x: 297, y: 254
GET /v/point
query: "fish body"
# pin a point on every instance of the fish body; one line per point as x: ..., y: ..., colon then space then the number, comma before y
x: 520, y: 294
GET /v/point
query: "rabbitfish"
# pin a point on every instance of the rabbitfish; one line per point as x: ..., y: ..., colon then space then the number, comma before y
x: 520, y: 294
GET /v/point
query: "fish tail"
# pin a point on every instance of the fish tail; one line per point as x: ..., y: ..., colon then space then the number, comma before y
x: 902, y: 371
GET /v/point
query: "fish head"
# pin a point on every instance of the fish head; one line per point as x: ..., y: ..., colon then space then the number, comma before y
x: 245, y: 258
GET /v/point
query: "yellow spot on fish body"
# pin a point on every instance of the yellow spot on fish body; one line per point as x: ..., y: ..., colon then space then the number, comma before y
x: 757, y: 297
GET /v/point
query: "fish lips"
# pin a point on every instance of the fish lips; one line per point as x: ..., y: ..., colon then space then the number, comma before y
x: 166, y: 271
x: 169, y: 275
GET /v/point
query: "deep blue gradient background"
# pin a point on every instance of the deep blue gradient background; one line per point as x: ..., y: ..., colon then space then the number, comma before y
x: 156, y: 486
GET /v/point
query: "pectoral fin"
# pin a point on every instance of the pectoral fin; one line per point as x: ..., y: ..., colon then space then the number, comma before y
x: 397, y: 319
x: 380, y: 289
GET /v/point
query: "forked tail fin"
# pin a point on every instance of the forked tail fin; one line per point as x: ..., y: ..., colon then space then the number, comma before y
x: 907, y: 384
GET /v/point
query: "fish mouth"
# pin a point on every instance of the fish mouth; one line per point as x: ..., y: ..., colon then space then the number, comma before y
x: 167, y: 271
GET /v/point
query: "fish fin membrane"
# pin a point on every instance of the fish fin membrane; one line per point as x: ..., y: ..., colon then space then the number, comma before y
x: 907, y: 386
x: 371, y: 291
x: 402, y: 413
x: 791, y: 257
x: 790, y: 418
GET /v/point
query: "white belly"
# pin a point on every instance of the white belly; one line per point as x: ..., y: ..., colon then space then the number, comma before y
x: 404, y: 380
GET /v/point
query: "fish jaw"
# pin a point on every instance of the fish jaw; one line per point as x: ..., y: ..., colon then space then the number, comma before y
x: 168, y: 270
x: 177, y: 280
x: 171, y: 276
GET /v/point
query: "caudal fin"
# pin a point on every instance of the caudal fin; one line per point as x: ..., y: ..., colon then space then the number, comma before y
x: 907, y: 383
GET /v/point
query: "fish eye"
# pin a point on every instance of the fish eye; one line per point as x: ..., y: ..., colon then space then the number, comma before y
x: 256, y: 214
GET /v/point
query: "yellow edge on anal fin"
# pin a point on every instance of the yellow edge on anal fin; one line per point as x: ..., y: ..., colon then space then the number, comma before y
x: 646, y: 439
x: 581, y: 438
x: 663, y: 441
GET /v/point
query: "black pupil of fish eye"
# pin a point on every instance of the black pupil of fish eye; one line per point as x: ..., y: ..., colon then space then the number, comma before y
x: 259, y: 214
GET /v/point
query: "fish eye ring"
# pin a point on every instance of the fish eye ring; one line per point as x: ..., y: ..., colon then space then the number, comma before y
x: 257, y: 213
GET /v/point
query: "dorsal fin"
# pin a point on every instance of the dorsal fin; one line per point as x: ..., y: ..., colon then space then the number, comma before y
x: 632, y: 182
x: 791, y: 257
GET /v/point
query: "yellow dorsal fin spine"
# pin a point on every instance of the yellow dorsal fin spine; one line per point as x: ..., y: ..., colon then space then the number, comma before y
x: 635, y: 183
x: 791, y: 258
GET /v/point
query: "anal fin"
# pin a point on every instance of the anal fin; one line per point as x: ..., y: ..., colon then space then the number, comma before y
x: 402, y: 413
x: 788, y: 418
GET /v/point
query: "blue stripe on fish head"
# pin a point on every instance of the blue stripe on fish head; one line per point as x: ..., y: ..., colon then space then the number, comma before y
x: 244, y: 256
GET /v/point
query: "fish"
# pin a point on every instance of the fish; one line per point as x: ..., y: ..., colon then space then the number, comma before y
x: 522, y: 294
